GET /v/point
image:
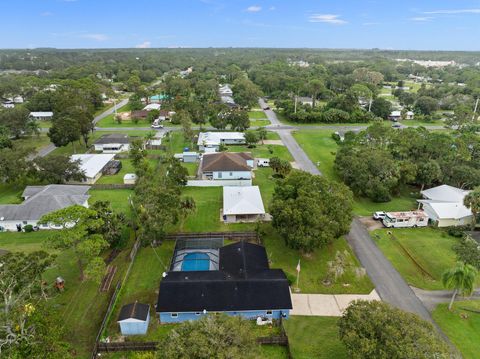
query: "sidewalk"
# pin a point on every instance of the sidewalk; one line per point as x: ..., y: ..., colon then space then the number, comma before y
x: 328, y: 305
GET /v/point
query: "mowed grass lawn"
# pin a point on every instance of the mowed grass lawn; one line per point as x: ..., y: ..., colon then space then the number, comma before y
x: 264, y: 151
x: 405, y: 201
x: 320, y: 148
x: 431, y: 248
x: 314, y: 337
x: 118, y: 198
x: 462, y: 327
x: 10, y: 193
x: 127, y: 167
x: 314, y: 267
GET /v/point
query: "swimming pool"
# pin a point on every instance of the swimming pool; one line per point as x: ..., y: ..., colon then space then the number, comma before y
x: 195, y: 261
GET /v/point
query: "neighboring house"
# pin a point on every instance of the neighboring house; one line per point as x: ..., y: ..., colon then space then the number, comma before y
x: 305, y: 100
x: 225, y: 90
x: 140, y: 114
x: 165, y: 115
x: 233, y: 279
x: 42, y: 116
x: 444, y: 206
x: 134, y: 319
x: 215, y: 139
x: 397, y: 115
x: 113, y: 143
x: 152, y: 106
x: 242, y: 204
x: 38, y: 201
x: 226, y: 166
x: 93, y: 165
x: 8, y: 104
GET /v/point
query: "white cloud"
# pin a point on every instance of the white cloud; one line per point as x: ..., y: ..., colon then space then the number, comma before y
x: 421, y: 18
x: 144, y: 45
x: 327, y: 18
x: 96, y: 37
x: 453, y: 11
x: 254, y: 8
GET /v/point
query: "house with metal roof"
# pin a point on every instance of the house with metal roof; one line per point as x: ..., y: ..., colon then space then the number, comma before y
x: 134, y: 319
x: 42, y: 115
x: 444, y: 206
x: 242, y: 204
x: 215, y: 139
x: 235, y: 279
x: 226, y: 166
x: 93, y: 165
x: 38, y: 201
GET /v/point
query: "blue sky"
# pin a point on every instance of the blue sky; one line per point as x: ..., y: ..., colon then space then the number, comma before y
x: 395, y: 24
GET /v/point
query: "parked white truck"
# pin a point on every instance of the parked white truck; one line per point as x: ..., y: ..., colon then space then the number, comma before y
x: 405, y: 219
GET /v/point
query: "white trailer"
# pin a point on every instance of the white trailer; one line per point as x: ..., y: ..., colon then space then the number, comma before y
x: 405, y: 219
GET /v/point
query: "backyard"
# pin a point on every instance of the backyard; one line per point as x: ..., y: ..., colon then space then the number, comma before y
x: 429, y: 254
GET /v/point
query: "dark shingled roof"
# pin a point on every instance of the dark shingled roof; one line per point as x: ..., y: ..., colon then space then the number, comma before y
x: 225, y: 161
x: 243, y: 282
x: 134, y: 311
x: 112, y: 138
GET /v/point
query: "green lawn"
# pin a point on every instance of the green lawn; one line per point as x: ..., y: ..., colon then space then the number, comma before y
x: 127, y: 167
x: 117, y: 197
x: 109, y: 121
x: 257, y: 115
x: 81, y: 304
x: 259, y: 123
x: 314, y: 266
x: 406, y: 201
x: 320, y: 148
x: 34, y: 141
x: 263, y: 179
x: 264, y: 151
x: 422, y: 123
x: 431, y: 248
x: 272, y: 136
x: 175, y: 143
x: 462, y: 331
x: 192, y: 168
x: 10, y: 193
x: 314, y: 337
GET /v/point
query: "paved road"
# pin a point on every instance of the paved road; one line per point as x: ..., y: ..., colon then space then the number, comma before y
x: 390, y: 285
x: 301, y: 159
x: 430, y: 298
x: 109, y: 111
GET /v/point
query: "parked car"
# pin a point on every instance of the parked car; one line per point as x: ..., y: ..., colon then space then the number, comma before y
x: 266, y: 108
x: 156, y: 126
x: 397, y: 125
x: 379, y: 215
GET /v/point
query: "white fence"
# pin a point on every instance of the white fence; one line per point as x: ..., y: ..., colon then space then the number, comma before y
x: 218, y: 183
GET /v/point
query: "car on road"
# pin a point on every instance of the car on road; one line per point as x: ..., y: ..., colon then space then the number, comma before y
x: 266, y: 108
x: 379, y: 215
x: 397, y: 125
x: 156, y: 126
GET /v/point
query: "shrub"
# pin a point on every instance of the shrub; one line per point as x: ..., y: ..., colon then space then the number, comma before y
x: 28, y: 228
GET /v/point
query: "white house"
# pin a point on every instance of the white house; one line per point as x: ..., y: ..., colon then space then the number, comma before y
x: 8, y: 104
x: 397, y: 115
x: 226, y: 166
x: 444, y: 206
x: 152, y: 106
x: 215, y: 139
x: 305, y: 100
x: 113, y: 143
x: 38, y: 201
x: 92, y: 165
x: 42, y: 115
x: 242, y: 204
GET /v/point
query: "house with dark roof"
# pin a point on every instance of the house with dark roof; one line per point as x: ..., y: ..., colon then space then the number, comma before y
x: 38, y: 201
x: 134, y: 318
x: 234, y: 279
x: 112, y: 143
x: 226, y: 166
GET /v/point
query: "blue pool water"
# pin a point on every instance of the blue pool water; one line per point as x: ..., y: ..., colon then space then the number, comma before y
x: 196, y: 261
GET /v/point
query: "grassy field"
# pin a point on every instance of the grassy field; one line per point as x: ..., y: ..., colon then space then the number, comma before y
x: 406, y: 201
x: 257, y: 115
x: 462, y: 327
x: 35, y: 141
x: 117, y: 197
x: 320, y: 148
x: 264, y: 151
x: 192, y: 168
x: 314, y: 266
x: 127, y: 167
x: 431, y: 249
x: 314, y: 337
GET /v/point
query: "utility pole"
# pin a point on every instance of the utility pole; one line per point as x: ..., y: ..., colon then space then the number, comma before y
x: 295, y: 103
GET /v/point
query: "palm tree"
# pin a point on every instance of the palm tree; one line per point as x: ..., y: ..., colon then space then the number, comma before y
x: 461, y: 279
x: 472, y: 201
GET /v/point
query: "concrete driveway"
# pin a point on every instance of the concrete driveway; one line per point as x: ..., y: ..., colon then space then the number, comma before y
x: 328, y: 305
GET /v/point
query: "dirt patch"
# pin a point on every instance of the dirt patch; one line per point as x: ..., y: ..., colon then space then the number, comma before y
x: 370, y: 223
x: 273, y: 142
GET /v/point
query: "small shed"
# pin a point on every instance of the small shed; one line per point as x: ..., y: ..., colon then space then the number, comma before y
x: 190, y: 157
x: 130, y: 178
x: 134, y: 319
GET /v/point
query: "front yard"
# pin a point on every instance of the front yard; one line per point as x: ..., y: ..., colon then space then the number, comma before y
x: 461, y: 326
x: 429, y: 254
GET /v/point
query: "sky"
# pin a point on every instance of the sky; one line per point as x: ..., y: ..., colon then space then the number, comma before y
x: 385, y: 24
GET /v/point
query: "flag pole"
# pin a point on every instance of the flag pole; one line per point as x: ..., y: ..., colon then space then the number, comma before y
x: 298, y: 274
